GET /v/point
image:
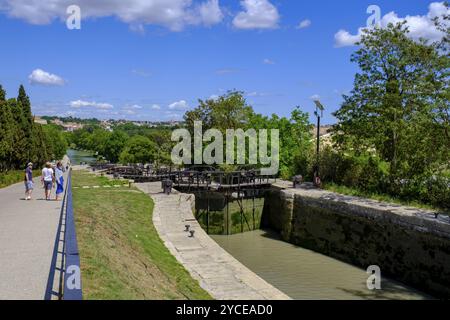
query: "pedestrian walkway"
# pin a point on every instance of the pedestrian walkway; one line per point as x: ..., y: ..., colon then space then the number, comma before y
x: 27, y: 237
x: 218, y: 272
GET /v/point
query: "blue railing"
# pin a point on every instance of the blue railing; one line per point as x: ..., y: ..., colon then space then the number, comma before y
x: 66, y: 248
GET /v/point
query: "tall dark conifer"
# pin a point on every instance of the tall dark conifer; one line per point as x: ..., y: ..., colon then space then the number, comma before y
x: 6, y: 132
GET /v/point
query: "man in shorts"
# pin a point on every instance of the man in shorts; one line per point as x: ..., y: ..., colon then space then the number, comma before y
x: 47, y: 179
x: 29, y: 181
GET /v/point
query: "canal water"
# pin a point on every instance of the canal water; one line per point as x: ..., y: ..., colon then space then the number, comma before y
x: 303, y: 274
x: 76, y: 156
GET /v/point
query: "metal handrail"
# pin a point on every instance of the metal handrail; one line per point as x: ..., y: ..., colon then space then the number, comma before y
x: 69, y: 286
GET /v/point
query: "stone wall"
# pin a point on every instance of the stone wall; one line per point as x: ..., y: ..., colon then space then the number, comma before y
x: 408, y: 244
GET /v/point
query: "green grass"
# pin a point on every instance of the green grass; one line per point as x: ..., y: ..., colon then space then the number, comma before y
x: 122, y: 256
x: 15, y: 176
x: 375, y: 196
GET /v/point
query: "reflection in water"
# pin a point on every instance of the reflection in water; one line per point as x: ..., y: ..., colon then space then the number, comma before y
x: 76, y: 156
x: 304, y: 274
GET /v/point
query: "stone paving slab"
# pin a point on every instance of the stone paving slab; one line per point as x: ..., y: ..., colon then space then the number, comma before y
x: 217, y: 271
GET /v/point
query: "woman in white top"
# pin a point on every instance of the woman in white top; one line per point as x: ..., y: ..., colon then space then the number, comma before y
x: 47, y: 179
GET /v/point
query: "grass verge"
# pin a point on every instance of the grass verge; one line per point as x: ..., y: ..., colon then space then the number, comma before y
x: 15, y: 176
x: 122, y: 256
x: 379, y: 197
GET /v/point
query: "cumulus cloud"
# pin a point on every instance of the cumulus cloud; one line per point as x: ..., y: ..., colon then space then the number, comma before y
x: 304, y: 24
x: 257, y: 14
x: 179, y: 105
x: 419, y: 26
x: 173, y: 14
x: 90, y: 104
x: 268, y: 61
x: 156, y: 107
x: 41, y: 77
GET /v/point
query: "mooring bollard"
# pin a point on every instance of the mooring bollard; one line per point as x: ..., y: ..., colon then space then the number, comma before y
x: 192, y: 233
x: 167, y: 186
x: 297, y: 181
x: 187, y: 227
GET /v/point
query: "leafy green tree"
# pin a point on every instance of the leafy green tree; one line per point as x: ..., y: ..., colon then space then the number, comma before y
x: 56, y: 145
x: 229, y: 111
x: 139, y: 149
x: 398, y: 109
x: 115, y: 145
x: 295, y: 140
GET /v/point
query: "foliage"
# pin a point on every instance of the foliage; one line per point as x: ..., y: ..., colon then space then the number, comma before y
x: 139, y: 149
x: 22, y: 140
x: 392, y: 134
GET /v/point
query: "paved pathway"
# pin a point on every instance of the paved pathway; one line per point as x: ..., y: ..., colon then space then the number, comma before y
x: 218, y: 272
x: 27, y: 237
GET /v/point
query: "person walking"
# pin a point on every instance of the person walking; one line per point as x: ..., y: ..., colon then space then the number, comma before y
x: 59, y: 175
x: 29, y: 181
x: 47, y: 179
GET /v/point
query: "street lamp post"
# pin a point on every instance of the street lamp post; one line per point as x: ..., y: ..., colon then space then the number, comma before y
x: 318, y: 113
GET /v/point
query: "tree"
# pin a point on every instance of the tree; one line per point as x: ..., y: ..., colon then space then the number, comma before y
x: 139, y: 149
x: 115, y: 145
x: 27, y: 121
x: 229, y: 111
x: 54, y: 142
x: 295, y: 140
x: 21, y: 151
x: 399, y: 106
x: 6, y: 132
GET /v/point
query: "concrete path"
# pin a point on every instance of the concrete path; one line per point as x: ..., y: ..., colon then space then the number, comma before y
x: 27, y: 237
x: 218, y: 272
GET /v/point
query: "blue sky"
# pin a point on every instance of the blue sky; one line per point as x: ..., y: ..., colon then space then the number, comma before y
x: 135, y: 62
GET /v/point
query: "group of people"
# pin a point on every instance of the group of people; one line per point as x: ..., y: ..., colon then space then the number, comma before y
x: 51, y: 176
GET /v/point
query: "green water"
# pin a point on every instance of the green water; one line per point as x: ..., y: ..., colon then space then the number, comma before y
x: 303, y: 274
x: 77, y: 156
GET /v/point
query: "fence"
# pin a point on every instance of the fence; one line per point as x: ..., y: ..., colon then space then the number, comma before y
x: 64, y: 281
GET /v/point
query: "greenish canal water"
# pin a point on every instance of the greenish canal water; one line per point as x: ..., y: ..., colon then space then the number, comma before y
x: 77, y: 156
x: 303, y: 274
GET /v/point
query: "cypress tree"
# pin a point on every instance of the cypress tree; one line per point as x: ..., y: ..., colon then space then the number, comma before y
x: 20, y: 145
x: 27, y: 122
x: 6, y: 132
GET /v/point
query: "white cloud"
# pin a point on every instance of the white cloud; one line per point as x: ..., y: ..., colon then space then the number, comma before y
x: 156, y: 107
x: 210, y: 13
x: 90, y: 104
x: 419, y: 26
x: 39, y: 76
x: 135, y: 106
x: 268, y: 61
x: 304, y: 24
x: 257, y: 14
x: 173, y: 14
x: 179, y: 105
x: 315, y: 97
